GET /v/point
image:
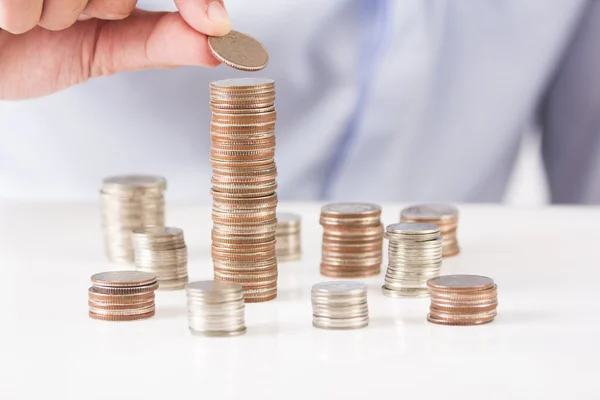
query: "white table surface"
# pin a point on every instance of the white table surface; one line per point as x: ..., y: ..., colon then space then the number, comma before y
x: 545, y: 342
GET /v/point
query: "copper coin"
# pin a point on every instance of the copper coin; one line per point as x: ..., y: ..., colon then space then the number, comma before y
x: 239, y: 51
x: 98, y: 297
x: 121, y: 317
x: 349, y: 275
x: 123, y: 307
x: 261, y: 299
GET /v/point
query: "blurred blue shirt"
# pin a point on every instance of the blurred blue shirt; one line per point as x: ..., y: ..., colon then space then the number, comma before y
x: 378, y: 100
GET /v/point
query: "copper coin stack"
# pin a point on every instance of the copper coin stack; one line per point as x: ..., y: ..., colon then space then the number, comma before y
x: 162, y: 252
x: 462, y: 300
x: 129, y: 202
x: 414, y: 256
x: 443, y: 215
x: 352, y: 240
x: 288, y: 237
x: 244, y: 181
x: 122, y: 295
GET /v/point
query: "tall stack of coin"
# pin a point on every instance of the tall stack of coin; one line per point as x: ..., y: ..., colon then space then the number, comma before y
x: 352, y: 240
x: 129, y: 202
x: 122, y: 295
x: 216, y: 308
x: 462, y: 300
x: 414, y: 256
x: 443, y: 215
x: 162, y: 252
x: 244, y: 181
x: 288, y: 237
x: 340, y: 305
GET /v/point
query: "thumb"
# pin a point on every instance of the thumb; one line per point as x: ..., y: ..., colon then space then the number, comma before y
x: 148, y: 40
x: 207, y: 16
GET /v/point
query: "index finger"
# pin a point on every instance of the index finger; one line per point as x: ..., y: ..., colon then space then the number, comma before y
x: 205, y: 16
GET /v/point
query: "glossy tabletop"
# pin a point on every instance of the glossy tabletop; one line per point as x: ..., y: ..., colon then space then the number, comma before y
x: 545, y: 342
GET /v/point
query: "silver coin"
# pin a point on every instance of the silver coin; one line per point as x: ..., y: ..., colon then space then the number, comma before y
x: 461, y: 282
x: 350, y: 208
x: 430, y: 212
x: 239, y: 83
x: 123, y: 278
x: 412, y: 228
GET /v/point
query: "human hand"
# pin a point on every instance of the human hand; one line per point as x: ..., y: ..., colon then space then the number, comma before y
x: 49, y: 45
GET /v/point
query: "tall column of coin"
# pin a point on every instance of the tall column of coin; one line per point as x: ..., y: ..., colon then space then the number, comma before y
x: 244, y: 181
x: 352, y: 240
x: 129, y: 202
x: 443, y: 215
x: 414, y: 256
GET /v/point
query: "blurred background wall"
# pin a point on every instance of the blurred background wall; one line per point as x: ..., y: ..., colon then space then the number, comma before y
x: 528, y: 183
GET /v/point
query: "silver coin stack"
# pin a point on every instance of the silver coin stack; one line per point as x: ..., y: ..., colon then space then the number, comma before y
x: 340, y: 305
x: 414, y: 256
x: 216, y: 308
x: 162, y: 251
x: 288, y: 236
x: 129, y: 202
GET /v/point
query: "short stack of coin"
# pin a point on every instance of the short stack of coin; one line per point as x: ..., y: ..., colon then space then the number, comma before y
x: 216, y: 308
x: 340, y: 305
x: 288, y: 235
x: 242, y: 154
x: 129, y: 202
x: 414, y: 256
x: 122, y: 295
x: 162, y: 252
x: 462, y: 300
x: 443, y: 215
x: 352, y: 240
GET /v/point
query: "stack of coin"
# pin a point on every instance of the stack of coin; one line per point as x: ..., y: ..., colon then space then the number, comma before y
x: 216, y: 308
x: 122, y: 295
x: 242, y: 154
x: 340, y: 305
x: 352, y: 240
x: 443, y: 215
x: 129, y: 202
x: 162, y: 252
x: 288, y: 237
x: 462, y: 300
x: 414, y: 256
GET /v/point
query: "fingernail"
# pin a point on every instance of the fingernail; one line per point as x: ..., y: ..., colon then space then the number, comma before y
x: 83, y: 17
x: 216, y: 12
